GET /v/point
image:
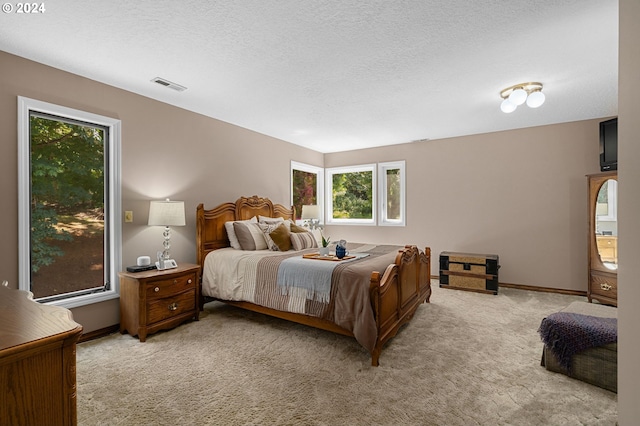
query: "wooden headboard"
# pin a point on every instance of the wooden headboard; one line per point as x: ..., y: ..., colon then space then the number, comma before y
x: 210, y: 231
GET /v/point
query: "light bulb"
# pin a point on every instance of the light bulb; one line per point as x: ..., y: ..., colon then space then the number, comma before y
x: 518, y: 96
x: 507, y: 107
x: 535, y: 99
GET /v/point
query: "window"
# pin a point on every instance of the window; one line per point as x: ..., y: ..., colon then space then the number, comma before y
x: 307, y: 187
x: 391, y: 187
x: 352, y: 192
x: 69, y: 204
x: 351, y: 196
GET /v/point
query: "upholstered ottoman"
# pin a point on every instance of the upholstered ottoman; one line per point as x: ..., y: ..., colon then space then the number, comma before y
x: 597, y: 366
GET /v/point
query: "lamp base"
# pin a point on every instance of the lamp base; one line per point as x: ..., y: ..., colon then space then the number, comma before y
x: 166, y: 264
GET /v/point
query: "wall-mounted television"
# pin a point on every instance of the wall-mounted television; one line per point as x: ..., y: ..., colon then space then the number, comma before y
x: 609, y: 145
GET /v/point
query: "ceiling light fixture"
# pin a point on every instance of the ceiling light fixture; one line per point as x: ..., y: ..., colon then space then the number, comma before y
x: 531, y: 93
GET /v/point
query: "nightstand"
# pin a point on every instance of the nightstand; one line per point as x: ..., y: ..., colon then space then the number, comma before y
x: 158, y: 300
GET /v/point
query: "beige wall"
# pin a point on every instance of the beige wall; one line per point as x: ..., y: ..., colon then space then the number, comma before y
x: 629, y: 214
x: 166, y: 152
x: 519, y: 194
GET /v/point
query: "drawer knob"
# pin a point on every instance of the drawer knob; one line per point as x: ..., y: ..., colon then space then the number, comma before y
x: 157, y: 289
x: 605, y: 286
x: 175, y: 282
x: 189, y: 281
x: 173, y: 306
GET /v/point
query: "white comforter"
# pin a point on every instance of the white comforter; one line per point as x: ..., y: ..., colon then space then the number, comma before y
x: 250, y: 276
x: 229, y: 274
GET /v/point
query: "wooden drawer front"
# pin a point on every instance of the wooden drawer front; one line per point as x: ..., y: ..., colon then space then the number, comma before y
x: 607, y: 248
x: 161, y: 309
x: 604, y: 286
x: 169, y: 287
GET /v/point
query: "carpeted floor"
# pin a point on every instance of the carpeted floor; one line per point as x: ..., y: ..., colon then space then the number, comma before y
x: 465, y: 359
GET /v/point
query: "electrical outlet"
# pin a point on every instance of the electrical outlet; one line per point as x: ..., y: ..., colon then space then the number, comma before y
x: 128, y: 216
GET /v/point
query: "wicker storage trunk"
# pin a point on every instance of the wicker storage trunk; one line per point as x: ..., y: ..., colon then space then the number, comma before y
x: 469, y: 271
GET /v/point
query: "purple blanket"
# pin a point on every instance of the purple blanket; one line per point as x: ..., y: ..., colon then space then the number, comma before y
x: 567, y: 333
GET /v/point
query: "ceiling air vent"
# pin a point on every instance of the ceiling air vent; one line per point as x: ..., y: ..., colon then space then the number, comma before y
x: 167, y: 83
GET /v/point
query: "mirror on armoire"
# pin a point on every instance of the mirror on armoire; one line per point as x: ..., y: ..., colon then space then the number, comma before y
x: 603, y: 238
x: 607, y: 224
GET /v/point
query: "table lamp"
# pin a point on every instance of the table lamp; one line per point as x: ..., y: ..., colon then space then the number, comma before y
x: 166, y: 213
x: 311, y: 216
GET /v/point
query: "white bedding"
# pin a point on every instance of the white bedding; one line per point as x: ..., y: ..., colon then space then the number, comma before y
x: 223, y: 274
x: 251, y: 276
x: 230, y: 274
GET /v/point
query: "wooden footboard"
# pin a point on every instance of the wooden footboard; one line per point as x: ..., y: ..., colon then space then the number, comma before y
x: 397, y: 294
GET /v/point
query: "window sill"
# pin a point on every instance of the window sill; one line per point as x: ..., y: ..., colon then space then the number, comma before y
x: 84, y: 300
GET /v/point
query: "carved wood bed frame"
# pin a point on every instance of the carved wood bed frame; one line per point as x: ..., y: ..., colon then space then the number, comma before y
x: 395, y: 293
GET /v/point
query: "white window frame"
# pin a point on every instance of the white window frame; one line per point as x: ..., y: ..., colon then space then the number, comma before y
x: 329, y: 194
x: 382, y: 190
x: 319, y: 172
x: 25, y: 106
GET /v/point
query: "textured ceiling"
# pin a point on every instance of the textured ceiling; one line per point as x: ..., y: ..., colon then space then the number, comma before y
x: 337, y: 75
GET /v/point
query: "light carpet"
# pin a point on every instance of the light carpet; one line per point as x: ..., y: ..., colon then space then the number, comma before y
x: 465, y: 359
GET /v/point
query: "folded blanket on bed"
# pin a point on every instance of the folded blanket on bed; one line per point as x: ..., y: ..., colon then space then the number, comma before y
x: 568, y: 333
x: 309, y: 278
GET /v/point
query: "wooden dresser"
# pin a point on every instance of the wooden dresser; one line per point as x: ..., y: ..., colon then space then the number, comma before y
x: 37, y: 361
x: 158, y: 300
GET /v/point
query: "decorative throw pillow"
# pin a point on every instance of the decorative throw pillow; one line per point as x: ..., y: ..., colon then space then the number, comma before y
x: 250, y: 236
x: 277, y: 236
x: 303, y: 240
x: 267, y: 228
x: 296, y: 228
x: 231, y: 233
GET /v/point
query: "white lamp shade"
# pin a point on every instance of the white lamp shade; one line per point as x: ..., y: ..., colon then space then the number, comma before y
x: 310, y: 212
x: 507, y: 107
x: 535, y: 99
x: 166, y: 213
x: 518, y: 96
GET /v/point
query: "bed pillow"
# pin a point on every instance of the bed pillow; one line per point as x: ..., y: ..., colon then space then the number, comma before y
x: 296, y: 228
x: 277, y: 236
x: 250, y: 236
x: 268, y: 220
x: 231, y: 233
x: 303, y: 240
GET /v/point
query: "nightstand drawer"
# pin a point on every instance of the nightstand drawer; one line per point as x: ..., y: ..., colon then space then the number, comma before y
x: 168, y: 287
x: 161, y: 309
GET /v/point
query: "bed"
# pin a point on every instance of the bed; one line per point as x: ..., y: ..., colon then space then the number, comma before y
x: 369, y: 295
